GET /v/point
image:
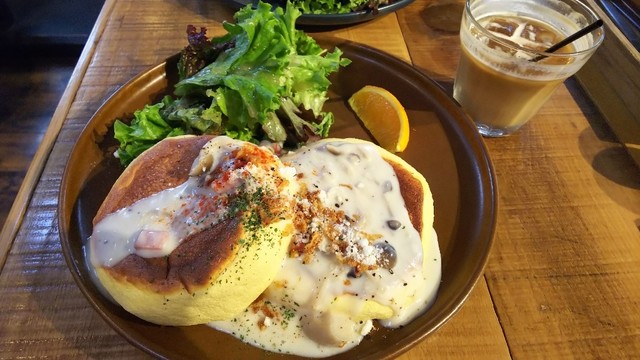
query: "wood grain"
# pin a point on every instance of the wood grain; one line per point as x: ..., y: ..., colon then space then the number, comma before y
x: 570, y: 285
x: 31, y: 83
x: 562, y: 279
x: 473, y: 333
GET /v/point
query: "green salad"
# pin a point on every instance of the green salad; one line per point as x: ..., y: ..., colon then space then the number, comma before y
x: 338, y: 6
x: 262, y: 80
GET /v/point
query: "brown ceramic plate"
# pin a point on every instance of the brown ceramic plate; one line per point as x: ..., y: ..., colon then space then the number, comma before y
x: 444, y: 146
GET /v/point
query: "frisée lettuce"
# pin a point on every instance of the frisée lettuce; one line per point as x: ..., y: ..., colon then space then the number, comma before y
x: 262, y: 80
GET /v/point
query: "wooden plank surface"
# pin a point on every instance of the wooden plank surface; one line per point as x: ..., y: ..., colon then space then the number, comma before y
x: 567, y: 294
x: 559, y: 288
x: 563, y: 277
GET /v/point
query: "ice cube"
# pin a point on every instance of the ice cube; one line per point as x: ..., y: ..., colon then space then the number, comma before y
x: 502, y: 26
x: 539, y: 34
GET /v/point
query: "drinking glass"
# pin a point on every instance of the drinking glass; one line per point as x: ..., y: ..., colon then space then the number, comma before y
x: 505, y: 73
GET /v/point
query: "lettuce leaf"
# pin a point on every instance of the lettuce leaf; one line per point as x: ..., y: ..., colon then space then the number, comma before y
x: 147, y: 128
x: 268, y: 81
x: 271, y: 60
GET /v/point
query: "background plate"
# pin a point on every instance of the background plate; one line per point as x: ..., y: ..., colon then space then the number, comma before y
x: 335, y: 19
x: 444, y: 146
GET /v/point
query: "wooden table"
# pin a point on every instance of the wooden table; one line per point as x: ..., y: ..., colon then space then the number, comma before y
x: 563, y: 278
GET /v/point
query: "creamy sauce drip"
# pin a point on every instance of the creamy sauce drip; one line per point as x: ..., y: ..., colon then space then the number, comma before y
x: 155, y: 225
x: 317, y: 308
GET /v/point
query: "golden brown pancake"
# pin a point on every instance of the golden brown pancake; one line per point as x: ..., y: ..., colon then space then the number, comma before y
x: 210, y: 275
x: 350, y: 197
x: 415, y: 191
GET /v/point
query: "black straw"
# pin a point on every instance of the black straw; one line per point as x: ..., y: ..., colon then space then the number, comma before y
x: 571, y: 38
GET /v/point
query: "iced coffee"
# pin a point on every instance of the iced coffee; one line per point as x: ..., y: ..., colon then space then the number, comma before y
x: 504, y: 75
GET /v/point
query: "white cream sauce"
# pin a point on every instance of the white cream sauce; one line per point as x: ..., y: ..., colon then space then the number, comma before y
x: 299, y: 314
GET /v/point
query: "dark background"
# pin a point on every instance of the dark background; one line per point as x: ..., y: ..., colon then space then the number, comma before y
x: 40, y: 42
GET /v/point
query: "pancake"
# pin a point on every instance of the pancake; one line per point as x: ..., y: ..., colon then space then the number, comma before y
x: 418, y: 201
x: 220, y: 220
x: 414, y: 188
x: 417, y: 197
x: 415, y: 192
x: 364, y: 253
